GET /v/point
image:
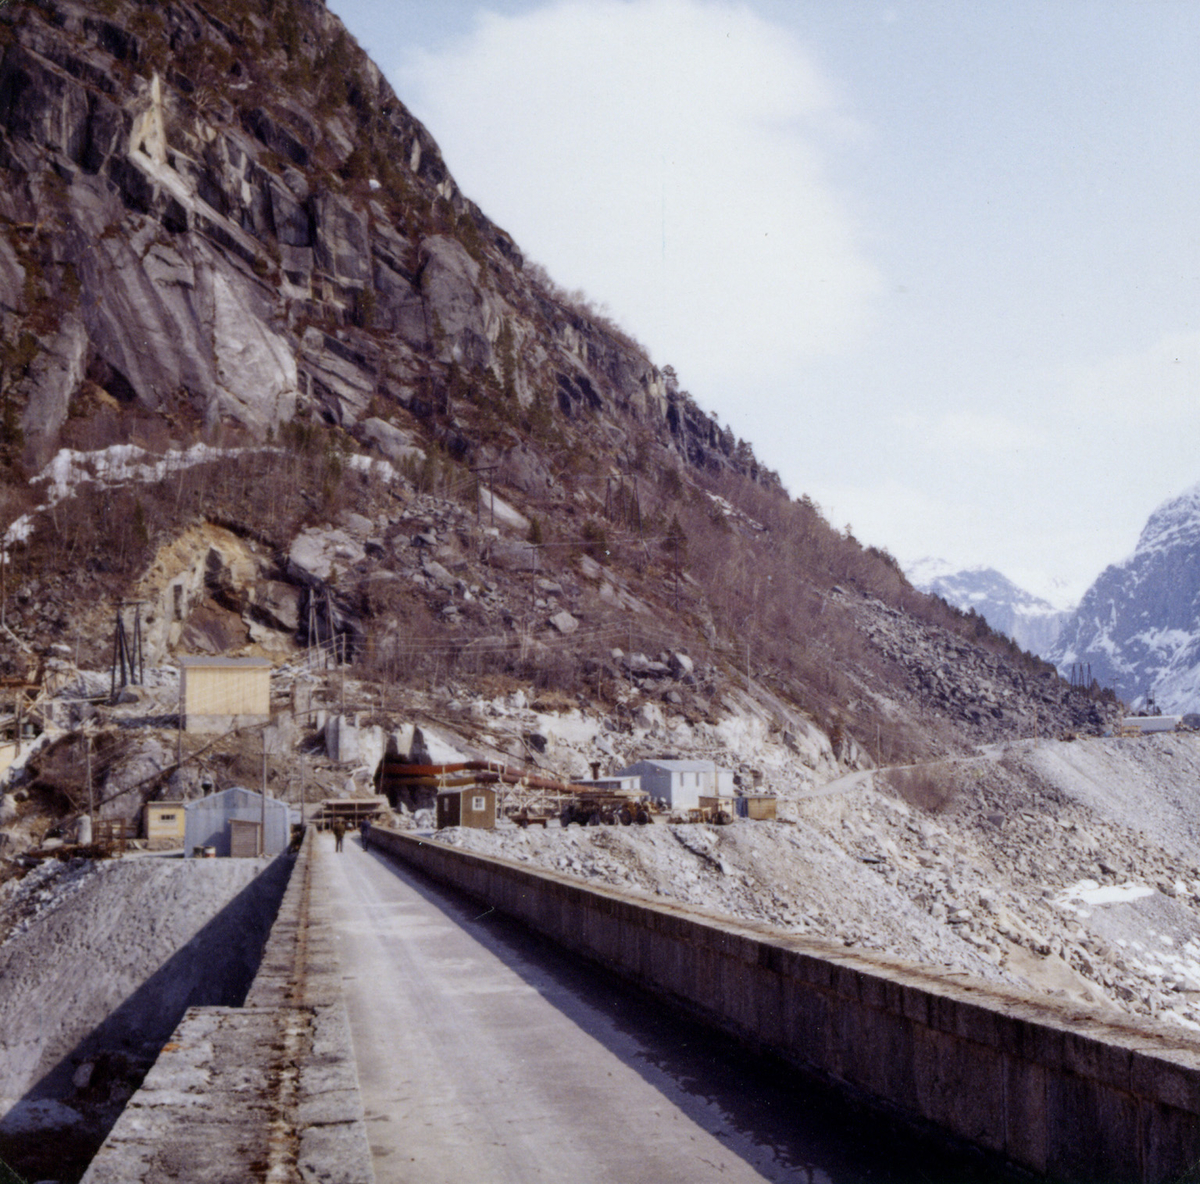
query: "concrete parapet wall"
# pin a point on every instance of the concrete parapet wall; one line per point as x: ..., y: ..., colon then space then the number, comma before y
x: 268, y: 1090
x: 1062, y: 1092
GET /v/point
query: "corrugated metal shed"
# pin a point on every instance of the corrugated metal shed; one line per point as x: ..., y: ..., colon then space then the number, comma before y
x: 208, y: 819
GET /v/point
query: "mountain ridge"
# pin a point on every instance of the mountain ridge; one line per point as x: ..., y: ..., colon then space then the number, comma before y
x: 193, y: 254
x: 1138, y: 625
x: 1031, y: 621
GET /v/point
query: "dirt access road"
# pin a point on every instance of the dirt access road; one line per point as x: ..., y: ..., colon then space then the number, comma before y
x: 486, y: 1054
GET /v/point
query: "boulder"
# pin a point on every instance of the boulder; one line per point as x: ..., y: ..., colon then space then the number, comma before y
x: 229, y: 575
x: 276, y: 604
x: 681, y: 665
x: 28, y: 1117
x: 127, y: 783
x: 496, y: 511
x: 512, y: 555
x: 211, y: 629
x: 564, y: 622
x: 438, y: 574
x: 393, y: 442
x: 316, y: 552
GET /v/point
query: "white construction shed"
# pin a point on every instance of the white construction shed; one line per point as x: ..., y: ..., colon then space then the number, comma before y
x: 680, y: 783
x: 1151, y: 723
x: 230, y: 822
x: 219, y: 694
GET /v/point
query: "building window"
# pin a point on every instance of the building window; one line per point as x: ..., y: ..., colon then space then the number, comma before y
x: 478, y: 803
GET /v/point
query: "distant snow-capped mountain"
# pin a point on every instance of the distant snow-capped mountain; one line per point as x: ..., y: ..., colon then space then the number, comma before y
x: 1033, y: 623
x: 1139, y: 623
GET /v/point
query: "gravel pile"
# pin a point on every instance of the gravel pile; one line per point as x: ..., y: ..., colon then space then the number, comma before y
x: 98, y: 962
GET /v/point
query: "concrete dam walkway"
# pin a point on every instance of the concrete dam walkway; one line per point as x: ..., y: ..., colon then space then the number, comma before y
x: 485, y: 1053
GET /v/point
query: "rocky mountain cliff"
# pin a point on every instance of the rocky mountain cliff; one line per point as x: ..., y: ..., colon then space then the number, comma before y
x: 1138, y: 625
x: 270, y: 384
x: 222, y: 215
x: 266, y: 370
x: 1033, y: 623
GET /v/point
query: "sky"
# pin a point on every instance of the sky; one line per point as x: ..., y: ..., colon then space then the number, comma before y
x: 938, y: 262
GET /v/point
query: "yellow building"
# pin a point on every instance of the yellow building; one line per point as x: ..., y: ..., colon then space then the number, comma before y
x: 164, y: 823
x: 218, y: 694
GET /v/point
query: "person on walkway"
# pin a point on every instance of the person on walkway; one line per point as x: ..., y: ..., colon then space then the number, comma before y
x: 366, y: 831
x: 339, y: 833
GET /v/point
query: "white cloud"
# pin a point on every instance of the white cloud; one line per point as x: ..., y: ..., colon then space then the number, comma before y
x: 667, y: 156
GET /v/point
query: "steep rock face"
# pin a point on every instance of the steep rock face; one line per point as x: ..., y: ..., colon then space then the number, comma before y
x: 1033, y: 623
x: 1138, y: 626
x: 221, y: 214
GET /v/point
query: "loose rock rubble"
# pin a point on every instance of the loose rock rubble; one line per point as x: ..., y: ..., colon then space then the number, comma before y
x: 1072, y: 869
x: 976, y: 688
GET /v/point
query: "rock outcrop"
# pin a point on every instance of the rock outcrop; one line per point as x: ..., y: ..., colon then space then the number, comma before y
x: 192, y: 239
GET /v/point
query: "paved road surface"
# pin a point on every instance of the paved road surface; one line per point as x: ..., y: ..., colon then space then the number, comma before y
x: 486, y: 1055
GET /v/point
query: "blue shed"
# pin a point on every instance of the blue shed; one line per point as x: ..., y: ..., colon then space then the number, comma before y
x: 207, y: 821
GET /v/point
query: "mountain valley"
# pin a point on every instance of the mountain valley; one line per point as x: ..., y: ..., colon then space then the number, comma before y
x: 272, y: 387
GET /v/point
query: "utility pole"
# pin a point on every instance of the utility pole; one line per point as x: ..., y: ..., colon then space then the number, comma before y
x: 491, y: 491
x: 675, y: 540
x: 179, y: 729
x: 262, y: 822
x: 137, y: 643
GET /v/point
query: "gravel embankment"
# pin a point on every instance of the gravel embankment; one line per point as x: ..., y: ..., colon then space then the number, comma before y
x: 98, y: 962
x: 1070, y: 867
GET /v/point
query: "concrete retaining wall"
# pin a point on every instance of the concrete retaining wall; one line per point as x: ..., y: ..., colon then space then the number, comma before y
x: 264, y: 1091
x: 1058, y: 1091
